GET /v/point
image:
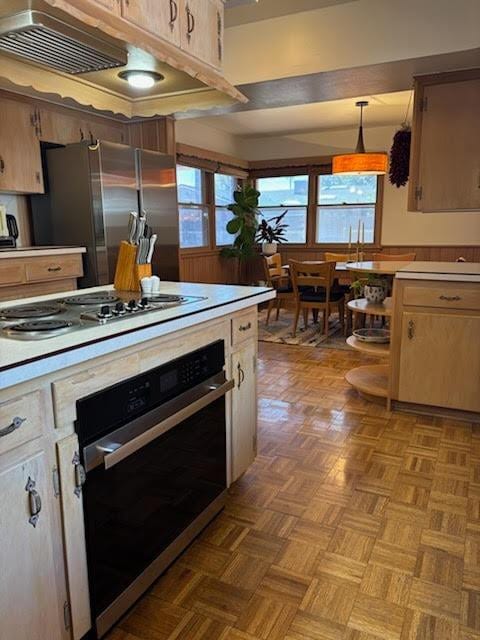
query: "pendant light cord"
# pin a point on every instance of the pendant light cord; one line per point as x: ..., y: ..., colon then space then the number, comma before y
x: 405, y: 124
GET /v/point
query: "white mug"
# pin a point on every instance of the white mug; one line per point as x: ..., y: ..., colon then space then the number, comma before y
x: 146, y: 284
x: 155, y: 283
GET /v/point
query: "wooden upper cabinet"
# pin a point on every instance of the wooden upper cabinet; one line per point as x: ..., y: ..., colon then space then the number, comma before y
x: 445, y: 156
x: 161, y: 17
x: 112, y: 5
x: 20, y: 161
x: 65, y: 128
x: 201, y: 24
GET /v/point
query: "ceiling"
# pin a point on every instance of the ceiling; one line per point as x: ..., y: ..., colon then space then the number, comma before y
x: 245, y: 11
x: 383, y: 109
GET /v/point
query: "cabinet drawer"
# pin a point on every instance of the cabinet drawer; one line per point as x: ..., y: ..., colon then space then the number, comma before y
x: 54, y: 268
x: 11, y: 273
x: 20, y: 420
x: 446, y: 297
x: 244, y: 327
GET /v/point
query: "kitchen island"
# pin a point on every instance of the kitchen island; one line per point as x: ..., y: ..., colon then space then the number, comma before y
x: 45, y: 386
x: 434, y: 353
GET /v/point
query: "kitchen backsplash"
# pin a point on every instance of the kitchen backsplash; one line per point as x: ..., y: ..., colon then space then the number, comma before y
x: 17, y: 205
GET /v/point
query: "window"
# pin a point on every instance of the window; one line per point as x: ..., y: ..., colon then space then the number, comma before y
x: 286, y: 193
x: 343, y: 201
x: 224, y: 186
x: 192, y: 206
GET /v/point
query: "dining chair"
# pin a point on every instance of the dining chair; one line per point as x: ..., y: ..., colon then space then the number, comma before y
x: 278, y: 278
x: 398, y: 257
x: 313, y: 289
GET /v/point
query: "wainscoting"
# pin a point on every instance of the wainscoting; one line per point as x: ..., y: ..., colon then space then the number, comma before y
x: 209, y: 266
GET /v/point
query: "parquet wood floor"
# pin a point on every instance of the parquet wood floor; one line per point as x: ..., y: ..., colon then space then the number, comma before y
x: 352, y: 524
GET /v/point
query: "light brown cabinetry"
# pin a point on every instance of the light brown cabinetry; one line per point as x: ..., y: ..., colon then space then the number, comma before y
x: 435, y: 351
x: 30, y: 600
x: 67, y: 128
x: 445, y: 160
x: 112, y: 5
x: 201, y: 26
x: 244, y: 408
x: 20, y: 161
x: 161, y: 17
x: 440, y: 360
x: 39, y: 275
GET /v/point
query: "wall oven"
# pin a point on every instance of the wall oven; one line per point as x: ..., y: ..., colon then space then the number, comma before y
x: 154, y: 451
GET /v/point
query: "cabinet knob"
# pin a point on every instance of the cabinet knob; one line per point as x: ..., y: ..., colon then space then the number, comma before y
x: 34, y: 502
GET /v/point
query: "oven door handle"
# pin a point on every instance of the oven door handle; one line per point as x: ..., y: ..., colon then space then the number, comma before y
x: 118, y: 453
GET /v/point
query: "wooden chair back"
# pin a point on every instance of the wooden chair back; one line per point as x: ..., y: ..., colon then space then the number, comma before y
x: 308, y: 274
x: 273, y: 266
x: 394, y: 257
x: 338, y: 257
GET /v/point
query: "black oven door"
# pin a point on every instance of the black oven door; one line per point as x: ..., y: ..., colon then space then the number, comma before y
x: 151, y: 486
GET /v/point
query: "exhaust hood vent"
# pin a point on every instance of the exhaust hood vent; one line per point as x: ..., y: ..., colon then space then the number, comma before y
x: 43, y: 39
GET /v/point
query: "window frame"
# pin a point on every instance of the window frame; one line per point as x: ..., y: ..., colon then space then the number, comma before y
x: 204, y: 205
x: 313, y: 175
x: 377, y: 229
x: 238, y: 181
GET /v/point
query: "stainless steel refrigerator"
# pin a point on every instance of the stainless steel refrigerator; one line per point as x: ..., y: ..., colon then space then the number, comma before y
x: 90, y: 191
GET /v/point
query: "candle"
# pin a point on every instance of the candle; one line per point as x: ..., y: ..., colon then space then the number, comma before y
x: 363, y: 234
x: 350, y: 237
x: 358, y: 232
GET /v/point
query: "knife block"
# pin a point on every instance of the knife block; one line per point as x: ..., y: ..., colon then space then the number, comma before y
x: 128, y: 273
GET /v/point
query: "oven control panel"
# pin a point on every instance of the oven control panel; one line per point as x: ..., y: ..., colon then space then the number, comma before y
x: 114, y: 406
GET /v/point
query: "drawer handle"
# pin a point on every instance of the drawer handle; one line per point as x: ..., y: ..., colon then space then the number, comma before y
x: 2, y: 165
x: 35, y: 502
x: 13, y: 426
x: 80, y: 475
x: 190, y: 23
x: 241, y: 375
x: 173, y: 13
x: 51, y: 269
x: 245, y: 327
x: 450, y: 298
x: 411, y: 330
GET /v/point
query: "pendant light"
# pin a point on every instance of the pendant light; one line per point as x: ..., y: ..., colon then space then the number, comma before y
x: 360, y: 162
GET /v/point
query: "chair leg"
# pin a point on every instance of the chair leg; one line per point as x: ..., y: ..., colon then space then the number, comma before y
x: 305, y: 317
x: 278, y: 309
x: 327, y: 314
x: 269, y: 311
x: 295, y: 322
x: 315, y: 315
x: 341, y: 313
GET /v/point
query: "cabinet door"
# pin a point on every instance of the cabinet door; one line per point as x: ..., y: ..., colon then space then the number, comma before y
x: 74, y: 535
x: 111, y: 5
x: 244, y: 409
x: 440, y: 360
x: 161, y: 17
x: 449, y: 167
x: 60, y: 128
x: 201, y: 23
x: 30, y: 605
x: 20, y: 161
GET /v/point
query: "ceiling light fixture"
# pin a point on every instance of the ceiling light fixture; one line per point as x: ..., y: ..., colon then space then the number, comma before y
x: 141, y: 79
x: 360, y: 161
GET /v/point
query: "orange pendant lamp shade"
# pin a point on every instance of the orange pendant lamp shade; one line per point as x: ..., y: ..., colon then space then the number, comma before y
x: 360, y: 162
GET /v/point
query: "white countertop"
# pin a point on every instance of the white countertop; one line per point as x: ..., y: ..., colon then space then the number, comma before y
x: 35, y: 252
x: 22, y: 360
x: 446, y: 271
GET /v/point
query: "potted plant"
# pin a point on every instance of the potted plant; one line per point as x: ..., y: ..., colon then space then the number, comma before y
x: 271, y: 233
x: 373, y: 288
x: 243, y: 226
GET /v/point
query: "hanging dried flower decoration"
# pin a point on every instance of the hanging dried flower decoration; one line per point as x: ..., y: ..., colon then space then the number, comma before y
x: 400, y: 153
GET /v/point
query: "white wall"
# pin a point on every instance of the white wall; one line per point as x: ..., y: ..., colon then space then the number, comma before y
x: 349, y: 35
x: 400, y: 227
x: 195, y: 133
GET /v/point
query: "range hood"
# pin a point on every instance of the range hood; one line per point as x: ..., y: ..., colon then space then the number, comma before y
x: 48, y: 41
